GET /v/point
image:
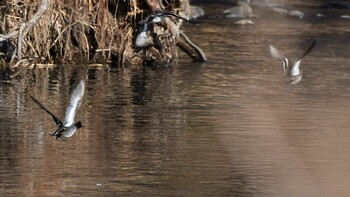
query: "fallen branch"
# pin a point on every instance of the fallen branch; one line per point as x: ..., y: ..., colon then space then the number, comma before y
x: 185, y: 44
x: 24, y: 29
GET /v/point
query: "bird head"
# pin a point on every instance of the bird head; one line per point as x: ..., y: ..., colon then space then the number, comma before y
x: 78, y: 125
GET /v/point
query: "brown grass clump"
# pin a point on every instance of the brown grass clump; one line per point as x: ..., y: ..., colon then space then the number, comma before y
x: 95, y: 31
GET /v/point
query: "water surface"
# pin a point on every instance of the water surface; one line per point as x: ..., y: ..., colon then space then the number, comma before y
x: 229, y: 127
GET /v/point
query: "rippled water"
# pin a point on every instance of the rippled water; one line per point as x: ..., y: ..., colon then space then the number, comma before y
x: 229, y: 127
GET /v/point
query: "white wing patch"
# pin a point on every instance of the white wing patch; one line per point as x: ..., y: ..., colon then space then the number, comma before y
x: 74, y: 104
x: 275, y: 53
x: 296, y: 68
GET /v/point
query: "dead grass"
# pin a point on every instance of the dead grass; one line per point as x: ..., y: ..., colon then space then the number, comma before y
x: 94, y: 31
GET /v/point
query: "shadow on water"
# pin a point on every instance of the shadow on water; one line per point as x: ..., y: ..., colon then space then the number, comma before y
x: 230, y: 127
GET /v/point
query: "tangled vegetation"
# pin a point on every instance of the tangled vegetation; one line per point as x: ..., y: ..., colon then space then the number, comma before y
x: 93, y: 31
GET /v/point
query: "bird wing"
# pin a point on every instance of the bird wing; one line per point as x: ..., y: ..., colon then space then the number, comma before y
x: 296, y: 67
x: 275, y: 53
x: 160, y: 15
x: 307, y: 51
x: 177, y: 16
x: 57, y: 120
x: 74, y: 104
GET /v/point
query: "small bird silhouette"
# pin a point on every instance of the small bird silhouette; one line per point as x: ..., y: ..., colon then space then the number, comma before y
x: 293, y: 73
x: 68, y: 127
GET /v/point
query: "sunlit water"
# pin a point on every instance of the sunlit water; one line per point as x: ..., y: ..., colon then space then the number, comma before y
x: 229, y: 127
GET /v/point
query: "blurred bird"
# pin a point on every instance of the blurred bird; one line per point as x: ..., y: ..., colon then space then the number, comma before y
x: 7, y: 49
x: 244, y: 22
x: 296, y: 13
x: 293, y: 73
x: 147, y: 37
x: 159, y: 16
x: 142, y: 39
x: 68, y: 127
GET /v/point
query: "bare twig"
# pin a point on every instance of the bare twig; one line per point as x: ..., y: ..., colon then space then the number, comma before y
x: 24, y: 29
x: 25, y: 61
x: 34, y: 20
x: 9, y: 35
x: 19, y: 45
x: 60, y: 33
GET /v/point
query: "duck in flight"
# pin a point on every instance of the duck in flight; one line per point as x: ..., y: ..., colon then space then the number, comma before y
x: 159, y: 16
x: 68, y: 127
x: 293, y: 73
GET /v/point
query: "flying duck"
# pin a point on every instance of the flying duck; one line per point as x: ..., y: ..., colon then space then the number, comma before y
x: 159, y: 16
x: 293, y: 73
x: 68, y: 127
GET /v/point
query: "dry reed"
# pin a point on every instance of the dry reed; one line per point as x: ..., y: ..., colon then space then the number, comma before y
x: 94, y: 31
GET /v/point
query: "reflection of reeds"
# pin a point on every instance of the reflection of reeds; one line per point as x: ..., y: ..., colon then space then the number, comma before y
x: 83, y: 30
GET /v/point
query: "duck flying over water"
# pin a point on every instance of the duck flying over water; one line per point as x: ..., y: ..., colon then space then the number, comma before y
x: 293, y: 73
x: 68, y: 127
x: 159, y: 16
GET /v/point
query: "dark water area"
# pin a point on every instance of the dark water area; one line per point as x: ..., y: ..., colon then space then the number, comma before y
x: 229, y: 127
